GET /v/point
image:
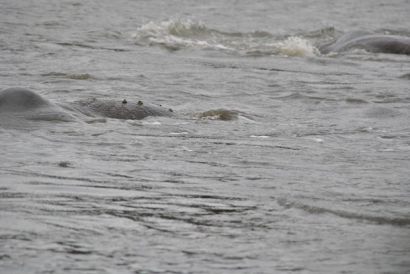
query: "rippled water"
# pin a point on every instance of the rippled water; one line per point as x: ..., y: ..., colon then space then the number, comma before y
x: 312, y: 176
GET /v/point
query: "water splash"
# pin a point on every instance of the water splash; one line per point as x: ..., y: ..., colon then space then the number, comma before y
x: 182, y: 34
x: 297, y: 46
x: 177, y: 34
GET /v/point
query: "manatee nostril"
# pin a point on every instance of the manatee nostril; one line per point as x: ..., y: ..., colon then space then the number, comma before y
x: 140, y: 103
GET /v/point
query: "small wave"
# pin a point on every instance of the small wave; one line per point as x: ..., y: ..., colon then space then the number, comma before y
x: 323, y: 33
x: 180, y: 34
x: 177, y: 34
x: 186, y: 28
x: 351, y: 100
x: 72, y: 76
x: 400, y: 221
x: 296, y: 46
x: 90, y: 47
x: 218, y: 114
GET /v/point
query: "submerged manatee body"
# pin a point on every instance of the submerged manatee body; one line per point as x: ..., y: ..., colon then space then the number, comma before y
x: 19, y: 103
x: 131, y: 110
x: 18, y: 99
x: 370, y: 42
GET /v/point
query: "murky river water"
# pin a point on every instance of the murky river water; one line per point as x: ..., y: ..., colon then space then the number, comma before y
x: 312, y: 176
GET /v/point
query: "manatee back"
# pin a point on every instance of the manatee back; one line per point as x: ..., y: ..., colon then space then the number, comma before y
x: 339, y: 43
x: 19, y: 107
x: 20, y: 99
x: 369, y: 42
x: 381, y: 43
x: 134, y: 110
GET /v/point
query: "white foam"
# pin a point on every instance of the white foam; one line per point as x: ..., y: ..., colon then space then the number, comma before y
x: 296, y: 46
x: 153, y: 123
x: 179, y: 34
x: 179, y: 133
x: 260, y: 136
x: 318, y: 140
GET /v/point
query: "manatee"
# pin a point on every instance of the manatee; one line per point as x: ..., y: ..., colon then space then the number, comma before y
x: 378, y: 43
x: 120, y: 109
x: 20, y: 103
x: 18, y: 99
x: 24, y: 103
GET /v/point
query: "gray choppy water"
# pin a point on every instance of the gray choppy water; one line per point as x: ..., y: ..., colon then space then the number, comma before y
x: 312, y: 177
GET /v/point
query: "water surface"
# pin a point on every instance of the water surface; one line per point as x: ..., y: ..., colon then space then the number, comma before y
x: 312, y: 176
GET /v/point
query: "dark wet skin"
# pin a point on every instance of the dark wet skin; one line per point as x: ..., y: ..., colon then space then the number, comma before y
x: 125, y: 109
x: 20, y: 99
x: 378, y: 43
x: 17, y: 99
